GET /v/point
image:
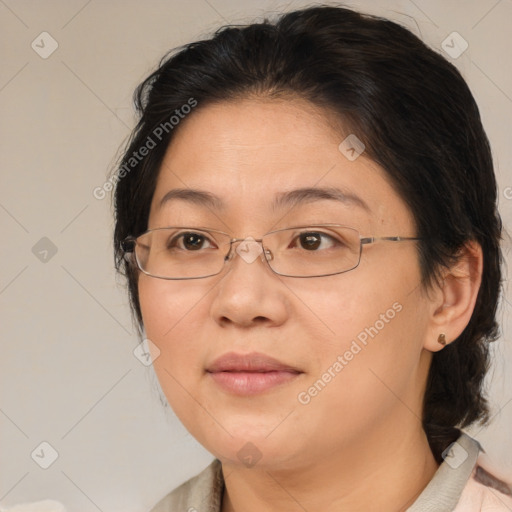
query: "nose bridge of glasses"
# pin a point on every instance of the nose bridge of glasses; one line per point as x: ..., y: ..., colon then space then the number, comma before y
x: 248, y: 249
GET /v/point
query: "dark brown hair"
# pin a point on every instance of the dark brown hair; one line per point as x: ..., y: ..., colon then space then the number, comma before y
x: 418, y: 120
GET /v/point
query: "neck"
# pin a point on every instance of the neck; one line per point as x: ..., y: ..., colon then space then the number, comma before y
x: 385, y: 471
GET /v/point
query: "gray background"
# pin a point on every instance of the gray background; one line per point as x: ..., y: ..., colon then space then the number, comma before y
x: 68, y: 374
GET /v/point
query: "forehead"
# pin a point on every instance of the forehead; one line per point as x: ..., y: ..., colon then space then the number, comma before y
x: 239, y: 132
x: 250, y: 154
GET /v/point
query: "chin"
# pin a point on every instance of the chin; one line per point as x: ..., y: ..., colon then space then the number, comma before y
x: 252, y: 447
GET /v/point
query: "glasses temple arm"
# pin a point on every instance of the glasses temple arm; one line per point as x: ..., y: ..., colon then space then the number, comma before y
x: 372, y: 239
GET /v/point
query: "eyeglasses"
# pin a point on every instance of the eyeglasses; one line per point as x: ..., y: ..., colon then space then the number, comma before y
x: 195, y: 253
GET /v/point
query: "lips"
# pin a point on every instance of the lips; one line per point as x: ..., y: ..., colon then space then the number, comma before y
x: 250, y: 374
x: 253, y: 362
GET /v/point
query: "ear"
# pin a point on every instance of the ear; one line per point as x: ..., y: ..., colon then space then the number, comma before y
x: 453, y: 300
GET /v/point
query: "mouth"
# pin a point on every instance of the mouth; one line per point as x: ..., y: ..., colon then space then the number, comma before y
x: 250, y: 374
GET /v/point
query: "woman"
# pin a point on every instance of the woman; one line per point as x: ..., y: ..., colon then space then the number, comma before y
x: 306, y: 215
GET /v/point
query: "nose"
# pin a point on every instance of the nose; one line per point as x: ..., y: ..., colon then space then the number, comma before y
x: 249, y: 294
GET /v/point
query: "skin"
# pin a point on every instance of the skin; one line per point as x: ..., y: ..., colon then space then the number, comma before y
x: 358, y: 444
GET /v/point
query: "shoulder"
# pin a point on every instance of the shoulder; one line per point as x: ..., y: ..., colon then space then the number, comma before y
x: 484, y: 492
x: 201, y: 493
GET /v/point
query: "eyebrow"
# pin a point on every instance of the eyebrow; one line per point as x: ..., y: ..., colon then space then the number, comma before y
x: 311, y: 194
x: 194, y: 196
x: 290, y: 198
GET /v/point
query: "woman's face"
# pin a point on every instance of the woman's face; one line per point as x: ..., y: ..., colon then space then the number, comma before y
x: 351, y: 345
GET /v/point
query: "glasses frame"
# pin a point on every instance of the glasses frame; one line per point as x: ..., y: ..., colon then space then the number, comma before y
x: 129, y: 243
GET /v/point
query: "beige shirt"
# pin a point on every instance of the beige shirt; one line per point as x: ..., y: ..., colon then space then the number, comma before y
x: 461, y: 484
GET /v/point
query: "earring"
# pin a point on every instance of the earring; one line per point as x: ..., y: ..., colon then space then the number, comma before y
x: 442, y: 339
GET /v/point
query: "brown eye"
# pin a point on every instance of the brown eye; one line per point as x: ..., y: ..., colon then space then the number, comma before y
x: 310, y: 241
x: 188, y: 241
x: 313, y: 240
x: 193, y: 241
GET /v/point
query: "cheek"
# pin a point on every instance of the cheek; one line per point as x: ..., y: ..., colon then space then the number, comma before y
x: 370, y: 361
x: 375, y: 323
x: 346, y: 307
x: 165, y: 304
x: 157, y: 302
x: 170, y: 312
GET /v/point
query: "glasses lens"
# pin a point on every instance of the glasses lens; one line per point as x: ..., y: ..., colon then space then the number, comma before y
x: 181, y: 253
x: 313, y: 250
